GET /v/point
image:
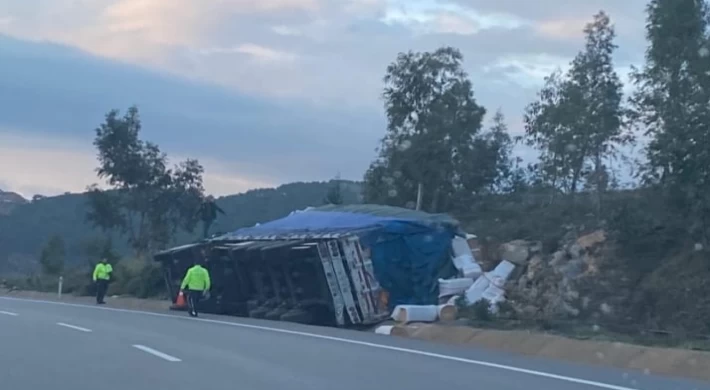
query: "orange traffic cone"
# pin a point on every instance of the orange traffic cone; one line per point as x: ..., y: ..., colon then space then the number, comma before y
x: 180, y: 302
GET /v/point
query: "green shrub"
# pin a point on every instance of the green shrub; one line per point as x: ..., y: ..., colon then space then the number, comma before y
x: 481, y: 310
x: 36, y: 282
x: 137, y: 277
x: 78, y: 282
x: 506, y: 310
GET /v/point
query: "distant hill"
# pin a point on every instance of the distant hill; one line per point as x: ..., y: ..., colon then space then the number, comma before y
x: 28, y: 225
x: 10, y: 200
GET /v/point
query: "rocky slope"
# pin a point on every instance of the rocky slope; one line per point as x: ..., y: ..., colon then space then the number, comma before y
x: 572, y: 282
x: 585, y: 282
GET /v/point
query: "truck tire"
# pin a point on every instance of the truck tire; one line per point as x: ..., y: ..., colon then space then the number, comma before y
x: 258, y: 313
x: 297, y: 315
x: 275, y: 314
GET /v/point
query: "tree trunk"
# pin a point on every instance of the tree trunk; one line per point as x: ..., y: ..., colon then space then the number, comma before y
x: 420, y: 192
x: 600, y: 179
x: 554, y: 190
x: 577, y: 171
x: 434, y: 201
x: 573, y: 187
x: 573, y: 190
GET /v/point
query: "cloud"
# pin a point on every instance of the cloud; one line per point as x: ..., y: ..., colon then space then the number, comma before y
x: 50, y: 89
x: 51, y: 166
x: 556, y: 18
x: 527, y: 71
x: 256, y: 52
x: 283, y: 89
x: 541, y: 10
x: 446, y: 18
x: 307, y: 43
x: 562, y: 28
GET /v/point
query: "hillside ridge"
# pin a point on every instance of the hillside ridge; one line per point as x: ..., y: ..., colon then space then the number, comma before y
x: 28, y: 226
x: 9, y: 200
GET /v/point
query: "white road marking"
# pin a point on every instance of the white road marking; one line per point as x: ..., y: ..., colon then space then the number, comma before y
x: 9, y: 313
x: 79, y: 328
x: 156, y: 353
x: 481, y: 363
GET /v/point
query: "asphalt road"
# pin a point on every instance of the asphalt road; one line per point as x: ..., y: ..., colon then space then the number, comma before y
x: 49, y: 345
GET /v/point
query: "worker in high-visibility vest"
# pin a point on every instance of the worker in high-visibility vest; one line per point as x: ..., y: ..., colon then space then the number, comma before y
x: 195, y: 285
x: 102, y: 275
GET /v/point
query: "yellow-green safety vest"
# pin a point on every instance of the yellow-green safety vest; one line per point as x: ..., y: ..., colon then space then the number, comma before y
x: 197, y: 278
x: 102, y: 271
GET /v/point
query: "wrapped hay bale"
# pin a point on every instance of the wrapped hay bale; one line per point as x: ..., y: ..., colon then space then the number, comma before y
x: 415, y: 313
x: 447, y: 313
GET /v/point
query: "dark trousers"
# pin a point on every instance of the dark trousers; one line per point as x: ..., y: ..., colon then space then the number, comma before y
x: 101, y: 287
x: 193, y: 298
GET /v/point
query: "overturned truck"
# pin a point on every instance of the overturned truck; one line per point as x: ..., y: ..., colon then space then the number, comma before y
x: 332, y: 265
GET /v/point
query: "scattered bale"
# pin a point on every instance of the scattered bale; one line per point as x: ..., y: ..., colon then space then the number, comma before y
x: 384, y: 329
x: 517, y: 252
x: 447, y: 313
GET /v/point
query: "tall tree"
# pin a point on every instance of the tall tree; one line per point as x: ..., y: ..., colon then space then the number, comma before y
x: 596, y: 88
x: 671, y: 105
x: 147, y: 201
x: 547, y: 130
x: 492, y: 156
x: 52, y: 256
x: 432, y: 119
x: 577, y: 122
x: 377, y: 185
x: 99, y: 248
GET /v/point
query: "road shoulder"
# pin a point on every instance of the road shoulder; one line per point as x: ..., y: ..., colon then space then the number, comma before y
x: 662, y: 361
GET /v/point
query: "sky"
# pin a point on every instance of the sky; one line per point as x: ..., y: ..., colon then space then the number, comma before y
x: 261, y: 92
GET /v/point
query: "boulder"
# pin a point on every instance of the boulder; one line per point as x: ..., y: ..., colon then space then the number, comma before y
x: 591, y: 240
x: 575, y: 251
x: 559, y: 258
x: 572, y: 269
x: 517, y: 252
x: 535, y: 266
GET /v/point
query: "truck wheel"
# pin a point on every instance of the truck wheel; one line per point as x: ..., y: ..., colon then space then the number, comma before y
x: 275, y: 314
x: 258, y: 313
x: 298, y: 316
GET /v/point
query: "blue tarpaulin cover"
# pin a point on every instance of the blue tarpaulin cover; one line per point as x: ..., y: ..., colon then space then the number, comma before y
x: 409, y: 252
x: 409, y: 258
x: 314, y: 222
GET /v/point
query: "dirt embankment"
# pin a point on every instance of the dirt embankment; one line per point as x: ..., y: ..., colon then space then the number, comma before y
x: 661, y: 361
